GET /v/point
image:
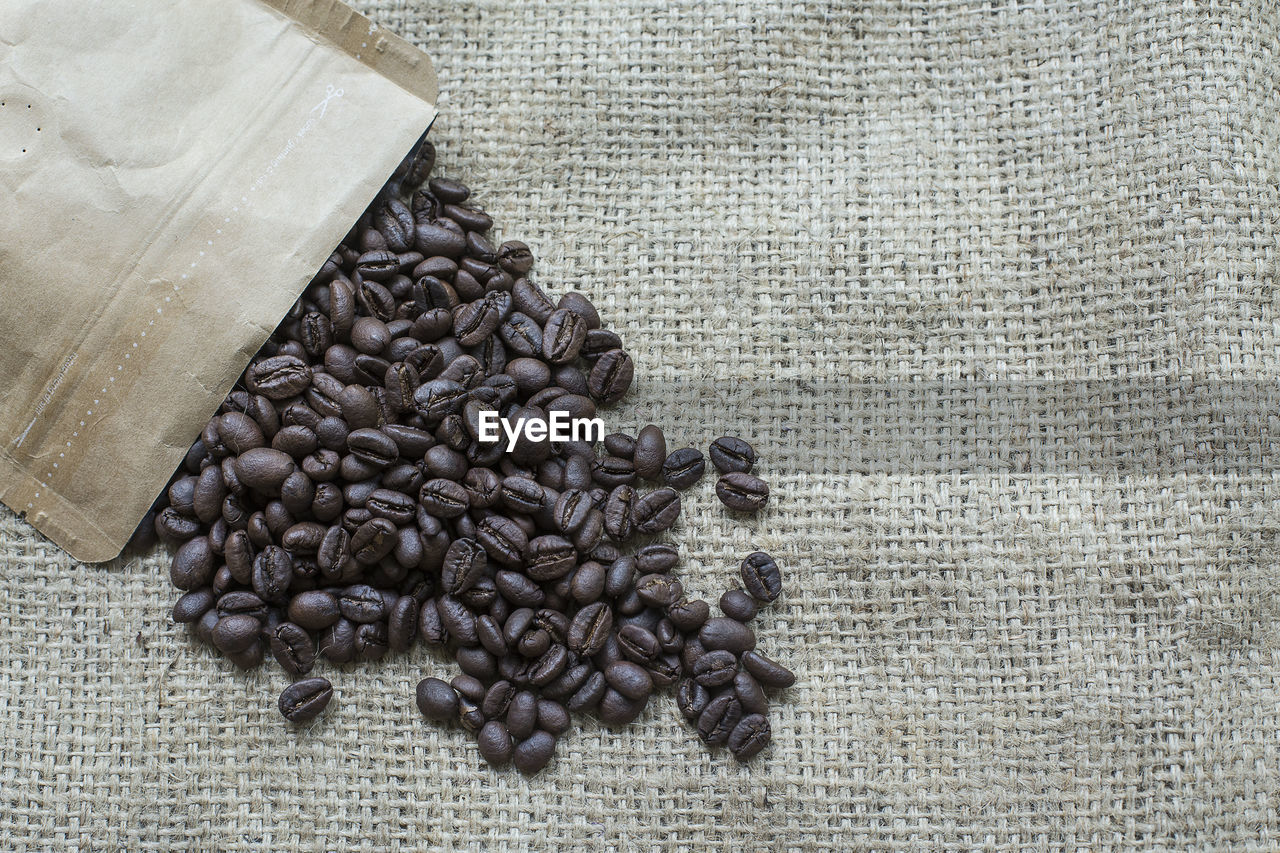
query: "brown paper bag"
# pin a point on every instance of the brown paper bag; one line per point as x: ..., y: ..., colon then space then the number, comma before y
x: 173, y: 172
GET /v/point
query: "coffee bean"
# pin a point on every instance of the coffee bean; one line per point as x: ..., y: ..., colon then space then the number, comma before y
x: 750, y: 694
x: 437, y: 699
x: 659, y: 590
x: 761, y: 577
x: 303, y: 700
x: 402, y: 623
x: 730, y: 454
x: 278, y: 377
x: 494, y: 743
x: 338, y: 641
x: 768, y: 672
x: 629, y: 679
x: 348, y: 492
x: 611, y: 376
x: 719, y: 719
x: 193, y: 605
x: 742, y: 492
x: 563, y: 336
x: 650, y: 452
x: 715, y: 668
x: 620, y: 444
x: 749, y: 736
x: 692, y: 699
x: 657, y: 511
x: 724, y: 633
x: 522, y: 714
x: 192, y: 565
x: 236, y: 633
x: 590, y: 628
x: 738, y: 605
x: 534, y: 753
x: 293, y: 648
x: 615, y: 709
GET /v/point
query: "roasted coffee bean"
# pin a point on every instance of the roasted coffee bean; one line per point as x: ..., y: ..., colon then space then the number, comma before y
x: 503, y: 539
x: 749, y: 694
x: 494, y: 743
x: 272, y: 574
x: 620, y: 577
x: 515, y: 257
x: 402, y: 623
x: 497, y: 699
x: 722, y: 632
x: 738, y: 605
x: 279, y: 377
x: 761, y: 577
x: 373, y: 540
x: 522, y: 714
x: 616, y: 709
x: 598, y: 342
x: 373, y: 446
x: 683, y: 468
x: 660, y: 591
x: 264, y: 469
x: 549, y: 557
x: 620, y: 444
x: 657, y: 558
x: 629, y: 679
x: 749, y: 736
x: 444, y: 498
x: 190, y: 607
x: 464, y: 564
x: 236, y: 633
x: 436, y: 699
x: 563, y: 336
x: 518, y: 589
x: 304, y: 700
x: 619, y: 513
x: 613, y: 471
x: 552, y: 717
x: 719, y: 718
x: 474, y: 660
x: 590, y: 629
x: 588, y: 696
x: 314, y: 609
x: 730, y: 454
x: 650, y: 452
x: 192, y: 565
x: 371, y: 641
x: 534, y: 753
x: 611, y: 376
x: 571, y: 510
x: 588, y: 583
x: 430, y: 626
x: 458, y: 620
x: 638, y: 644
x: 692, y: 699
x: 715, y: 668
x: 768, y: 672
x: 742, y: 492
x: 293, y: 648
x: 657, y: 511
x: 337, y: 642
x: 549, y: 666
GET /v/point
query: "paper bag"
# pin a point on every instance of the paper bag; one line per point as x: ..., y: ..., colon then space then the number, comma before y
x: 174, y: 172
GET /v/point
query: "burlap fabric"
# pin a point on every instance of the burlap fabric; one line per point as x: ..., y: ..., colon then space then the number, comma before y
x: 1016, y: 625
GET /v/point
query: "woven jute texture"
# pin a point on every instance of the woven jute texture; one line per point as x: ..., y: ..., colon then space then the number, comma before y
x: 1031, y: 598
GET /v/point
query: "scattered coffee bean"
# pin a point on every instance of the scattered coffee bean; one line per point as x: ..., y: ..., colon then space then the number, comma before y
x: 304, y: 700
x: 742, y: 492
x: 731, y: 454
x: 683, y: 468
x: 345, y: 501
x: 761, y: 577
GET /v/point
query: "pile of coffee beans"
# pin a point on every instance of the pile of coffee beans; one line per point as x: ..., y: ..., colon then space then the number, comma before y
x: 347, y: 501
